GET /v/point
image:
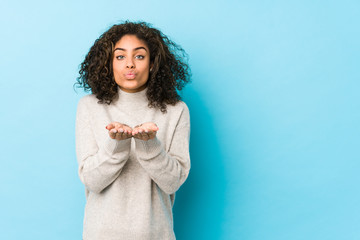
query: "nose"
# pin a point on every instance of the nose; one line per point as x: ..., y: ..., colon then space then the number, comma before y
x: 130, y: 64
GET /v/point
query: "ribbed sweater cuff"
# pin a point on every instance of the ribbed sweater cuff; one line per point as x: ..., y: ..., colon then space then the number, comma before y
x: 113, y: 146
x: 149, y: 149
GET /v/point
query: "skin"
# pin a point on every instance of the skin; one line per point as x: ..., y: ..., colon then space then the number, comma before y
x: 131, y: 55
x: 131, y: 67
x: 120, y: 131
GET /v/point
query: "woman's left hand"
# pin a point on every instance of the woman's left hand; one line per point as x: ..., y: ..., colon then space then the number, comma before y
x: 145, y: 131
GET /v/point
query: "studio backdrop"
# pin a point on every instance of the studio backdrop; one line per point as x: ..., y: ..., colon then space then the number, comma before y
x: 274, y: 104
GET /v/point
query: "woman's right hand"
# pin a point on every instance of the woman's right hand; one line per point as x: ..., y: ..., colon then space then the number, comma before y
x: 119, y: 131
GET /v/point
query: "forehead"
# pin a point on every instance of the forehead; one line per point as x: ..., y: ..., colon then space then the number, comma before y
x: 130, y: 42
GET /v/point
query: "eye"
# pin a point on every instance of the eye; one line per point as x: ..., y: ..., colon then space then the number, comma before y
x: 139, y: 57
x: 120, y: 57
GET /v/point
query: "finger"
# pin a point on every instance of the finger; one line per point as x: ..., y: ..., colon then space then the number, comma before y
x: 154, y: 127
x: 124, y: 134
x: 120, y: 134
x: 112, y: 133
x: 152, y: 135
x: 145, y: 136
x: 138, y: 130
x: 134, y: 132
x: 128, y: 130
x: 149, y: 131
x: 137, y: 135
x: 109, y: 126
x: 127, y: 133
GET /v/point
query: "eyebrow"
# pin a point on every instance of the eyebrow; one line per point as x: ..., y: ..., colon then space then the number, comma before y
x: 123, y: 49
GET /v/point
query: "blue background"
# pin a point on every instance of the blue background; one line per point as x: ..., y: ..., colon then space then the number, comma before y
x: 274, y: 103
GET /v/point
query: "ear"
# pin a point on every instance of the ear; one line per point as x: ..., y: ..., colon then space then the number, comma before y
x: 151, y: 66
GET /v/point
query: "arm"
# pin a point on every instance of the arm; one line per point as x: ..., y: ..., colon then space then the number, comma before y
x: 99, y: 166
x: 169, y: 170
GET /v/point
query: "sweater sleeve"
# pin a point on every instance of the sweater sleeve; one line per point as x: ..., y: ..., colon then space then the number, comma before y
x: 100, y: 165
x: 169, y: 170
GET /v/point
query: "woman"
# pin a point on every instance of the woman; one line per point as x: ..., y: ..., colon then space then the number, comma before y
x: 132, y: 133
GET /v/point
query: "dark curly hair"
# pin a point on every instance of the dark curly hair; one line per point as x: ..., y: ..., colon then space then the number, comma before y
x: 170, y: 71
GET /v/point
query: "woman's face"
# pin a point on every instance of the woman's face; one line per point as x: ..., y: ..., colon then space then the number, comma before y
x: 131, y: 64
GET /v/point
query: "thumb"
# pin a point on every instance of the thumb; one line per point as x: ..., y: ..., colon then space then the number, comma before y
x: 110, y: 126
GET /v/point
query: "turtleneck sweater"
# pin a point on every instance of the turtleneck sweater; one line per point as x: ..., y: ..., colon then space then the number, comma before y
x: 130, y: 184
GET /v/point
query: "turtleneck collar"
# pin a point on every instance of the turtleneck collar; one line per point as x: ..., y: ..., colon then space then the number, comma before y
x: 136, y: 99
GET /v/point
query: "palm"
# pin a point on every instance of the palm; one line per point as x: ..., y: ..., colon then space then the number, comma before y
x: 145, y: 131
x: 119, y: 131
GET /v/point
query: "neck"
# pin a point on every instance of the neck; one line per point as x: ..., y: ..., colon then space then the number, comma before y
x: 133, y: 90
x: 135, y: 99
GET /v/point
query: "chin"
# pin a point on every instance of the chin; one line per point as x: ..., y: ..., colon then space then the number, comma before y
x: 132, y: 88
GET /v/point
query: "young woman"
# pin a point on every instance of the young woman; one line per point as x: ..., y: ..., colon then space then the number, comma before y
x: 132, y: 133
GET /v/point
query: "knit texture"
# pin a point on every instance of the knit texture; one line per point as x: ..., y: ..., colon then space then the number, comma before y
x: 130, y: 184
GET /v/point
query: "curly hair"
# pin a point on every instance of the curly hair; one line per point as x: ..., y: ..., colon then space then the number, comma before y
x: 170, y: 72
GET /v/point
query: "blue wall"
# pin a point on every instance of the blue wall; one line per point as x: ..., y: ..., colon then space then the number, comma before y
x: 275, y: 112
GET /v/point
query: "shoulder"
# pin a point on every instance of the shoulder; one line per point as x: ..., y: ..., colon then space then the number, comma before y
x: 88, y: 100
x: 179, y: 107
x: 87, y: 104
x: 179, y: 112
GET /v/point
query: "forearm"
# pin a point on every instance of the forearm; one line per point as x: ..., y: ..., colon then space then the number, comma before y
x: 99, y: 170
x: 168, y: 170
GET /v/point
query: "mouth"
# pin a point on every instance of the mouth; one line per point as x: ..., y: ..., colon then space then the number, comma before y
x: 130, y: 75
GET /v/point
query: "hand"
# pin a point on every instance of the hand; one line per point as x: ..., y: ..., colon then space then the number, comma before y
x: 119, y: 131
x: 145, y: 131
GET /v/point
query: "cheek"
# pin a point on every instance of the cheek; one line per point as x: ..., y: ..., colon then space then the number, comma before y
x: 145, y: 73
x: 146, y: 67
x: 116, y: 68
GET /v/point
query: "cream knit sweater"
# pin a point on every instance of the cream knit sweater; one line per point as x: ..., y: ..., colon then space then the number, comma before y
x: 130, y: 184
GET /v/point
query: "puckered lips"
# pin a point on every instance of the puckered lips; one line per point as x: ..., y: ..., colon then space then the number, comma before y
x: 130, y: 75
